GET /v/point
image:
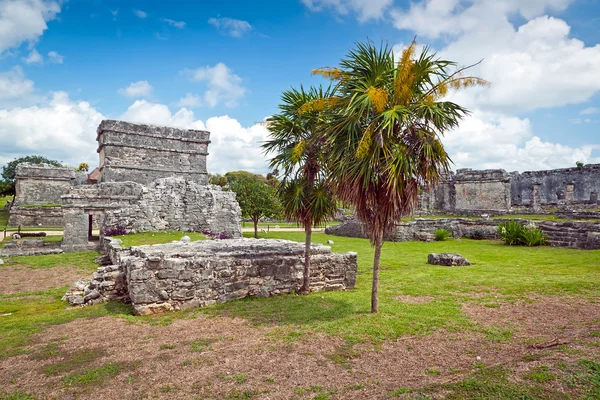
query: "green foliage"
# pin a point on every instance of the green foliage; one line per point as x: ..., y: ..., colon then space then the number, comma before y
x: 579, y: 165
x: 441, y: 234
x: 83, y: 167
x: 513, y: 233
x: 217, y: 179
x: 256, y: 197
x: 10, y: 169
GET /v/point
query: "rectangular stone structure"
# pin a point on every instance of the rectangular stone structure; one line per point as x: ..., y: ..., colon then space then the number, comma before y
x: 180, y: 275
x: 144, y: 153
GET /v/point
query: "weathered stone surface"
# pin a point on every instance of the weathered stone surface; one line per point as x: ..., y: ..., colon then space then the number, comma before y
x: 181, y: 275
x: 29, y: 247
x: 144, y: 153
x: 576, y: 235
x: 447, y: 259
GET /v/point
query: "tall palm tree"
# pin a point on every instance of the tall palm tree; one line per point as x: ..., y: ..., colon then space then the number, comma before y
x: 296, y: 140
x: 384, y: 133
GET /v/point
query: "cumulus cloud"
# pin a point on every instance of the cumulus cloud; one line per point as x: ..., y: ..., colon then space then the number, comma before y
x: 364, y: 9
x: 489, y: 140
x: 223, y: 86
x: 140, y: 14
x: 24, y: 21
x: 34, y: 57
x: 60, y: 128
x: 233, y: 147
x: 231, y: 27
x: 173, y: 23
x: 14, y: 85
x: 55, y: 58
x: 136, y: 89
x: 190, y: 100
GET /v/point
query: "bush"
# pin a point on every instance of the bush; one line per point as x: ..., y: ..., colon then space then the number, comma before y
x: 513, y: 233
x: 116, y: 231
x: 221, y: 235
x: 441, y: 234
x: 32, y: 234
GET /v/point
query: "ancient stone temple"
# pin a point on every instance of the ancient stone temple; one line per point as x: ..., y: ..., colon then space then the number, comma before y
x: 151, y: 179
x: 144, y: 153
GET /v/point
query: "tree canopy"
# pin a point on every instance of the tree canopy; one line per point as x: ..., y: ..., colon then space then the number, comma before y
x: 10, y: 169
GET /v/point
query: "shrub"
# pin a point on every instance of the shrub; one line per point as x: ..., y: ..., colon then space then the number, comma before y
x: 32, y: 234
x: 510, y: 232
x: 441, y: 234
x: 533, y: 237
x: 221, y: 235
x: 513, y: 233
x: 116, y: 231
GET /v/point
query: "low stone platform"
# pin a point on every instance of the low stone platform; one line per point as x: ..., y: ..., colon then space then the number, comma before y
x: 180, y: 275
x: 29, y: 247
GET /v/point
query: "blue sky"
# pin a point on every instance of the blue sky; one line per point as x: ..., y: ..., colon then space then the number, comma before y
x: 221, y: 66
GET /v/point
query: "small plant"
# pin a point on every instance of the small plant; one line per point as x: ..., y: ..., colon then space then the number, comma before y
x: 579, y: 165
x: 441, y: 234
x: 513, y: 233
x: 116, y: 231
x: 510, y: 232
x: 533, y: 237
x: 220, y: 236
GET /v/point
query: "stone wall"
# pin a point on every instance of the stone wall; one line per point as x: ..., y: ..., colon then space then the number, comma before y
x: 558, y: 186
x: 166, y: 204
x: 144, y: 153
x: 180, y: 275
x: 493, y: 191
x: 36, y: 185
x: 572, y: 234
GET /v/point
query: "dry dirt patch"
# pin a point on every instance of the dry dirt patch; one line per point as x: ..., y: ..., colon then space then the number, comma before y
x: 220, y: 357
x: 415, y: 299
x: 19, y: 279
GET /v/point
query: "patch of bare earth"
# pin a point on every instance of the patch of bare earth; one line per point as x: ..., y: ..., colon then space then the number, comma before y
x: 415, y: 299
x: 219, y: 357
x: 18, y: 278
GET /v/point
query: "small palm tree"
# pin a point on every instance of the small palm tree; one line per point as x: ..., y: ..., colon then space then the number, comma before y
x: 297, y: 141
x: 384, y: 133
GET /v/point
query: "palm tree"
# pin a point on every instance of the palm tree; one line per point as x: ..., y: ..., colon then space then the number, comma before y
x: 297, y: 143
x: 384, y: 133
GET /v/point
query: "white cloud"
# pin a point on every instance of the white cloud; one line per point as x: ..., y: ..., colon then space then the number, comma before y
x: 233, y: 147
x: 140, y: 14
x: 487, y: 140
x: 365, y: 9
x: 114, y: 13
x: 136, y: 89
x: 55, y: 58
x: 175, y: 24
x: 61, y: 129
x: 223, y: 86
x: 231, y: 27
x: 34, y: 57
x: 24, y: 20
x: 13, y: 85
x: 590, y: 110
x: 190, y: 100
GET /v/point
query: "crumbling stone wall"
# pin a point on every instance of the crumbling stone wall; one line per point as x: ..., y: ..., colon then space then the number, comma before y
x: 144, y: 153
x: 571, y: 234
x: 37, y: 185
x: 166, y: 204
x: 557, y: 186
x: 180, y: 275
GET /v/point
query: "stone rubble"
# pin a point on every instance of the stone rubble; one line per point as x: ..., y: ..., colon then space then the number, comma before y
x: 447, y: 259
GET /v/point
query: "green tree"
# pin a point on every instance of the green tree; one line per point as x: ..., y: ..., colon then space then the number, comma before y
x: 217, y: 179
x: 385, y: 133
x: 83, y: 167
x: 9, y: 171
x: 256, y: 197
x: 297, y: 141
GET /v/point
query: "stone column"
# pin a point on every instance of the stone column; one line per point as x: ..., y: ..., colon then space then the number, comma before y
x: 594, y: 197
x: 536, y: 197
x: 569, y: 193
x: 76, y: 230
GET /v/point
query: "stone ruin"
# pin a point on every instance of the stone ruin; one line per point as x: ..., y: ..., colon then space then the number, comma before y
x: 471, y: 192
x: 175, y: 276
x: 153, y: 179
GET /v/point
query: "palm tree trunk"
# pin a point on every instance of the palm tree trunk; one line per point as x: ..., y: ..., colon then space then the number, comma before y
x: 375, y: 287
x: 306, y: 283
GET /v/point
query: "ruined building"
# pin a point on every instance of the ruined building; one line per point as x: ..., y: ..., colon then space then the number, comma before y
x: 473, y: 192
x: 150, y: 179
